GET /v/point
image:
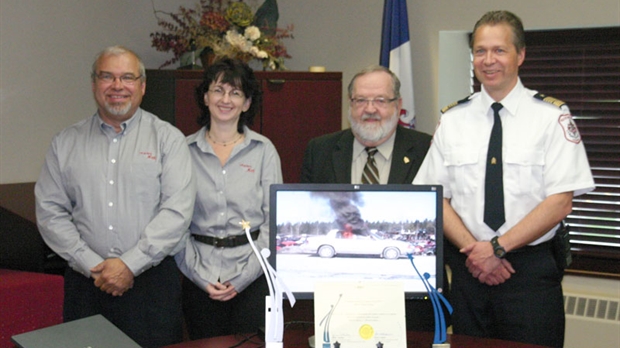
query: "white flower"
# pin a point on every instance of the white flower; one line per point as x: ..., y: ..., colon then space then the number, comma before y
x: 254, y: 51
x: 236, y: 40
x: 258, y: 53
x: 252, y: 33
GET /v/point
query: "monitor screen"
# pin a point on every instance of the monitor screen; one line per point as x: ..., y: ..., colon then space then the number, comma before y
x: 347, y: 232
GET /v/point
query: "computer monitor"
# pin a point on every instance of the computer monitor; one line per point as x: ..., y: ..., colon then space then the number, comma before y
x: 347, y: 232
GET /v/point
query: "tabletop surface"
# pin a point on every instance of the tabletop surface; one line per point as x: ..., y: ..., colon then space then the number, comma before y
x: 298, y: 338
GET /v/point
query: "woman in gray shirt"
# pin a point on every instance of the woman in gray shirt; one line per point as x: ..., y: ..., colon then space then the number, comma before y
x: 224, y: 288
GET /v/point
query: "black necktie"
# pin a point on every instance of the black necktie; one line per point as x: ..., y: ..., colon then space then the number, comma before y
x: 371, y: 173
x: 494, y: 215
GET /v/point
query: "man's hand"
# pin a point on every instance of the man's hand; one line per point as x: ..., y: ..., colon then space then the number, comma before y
x: 499, y: 275
x: 485, y: 266
x: 221, y: 292
x: 113, y: 277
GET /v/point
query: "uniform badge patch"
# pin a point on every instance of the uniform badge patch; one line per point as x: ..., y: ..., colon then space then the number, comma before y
x: 571, y: 133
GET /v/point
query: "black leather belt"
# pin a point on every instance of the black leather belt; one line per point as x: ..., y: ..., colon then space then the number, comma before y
x: 228, y: 242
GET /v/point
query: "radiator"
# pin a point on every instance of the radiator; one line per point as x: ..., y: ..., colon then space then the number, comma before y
x: 591, y: 321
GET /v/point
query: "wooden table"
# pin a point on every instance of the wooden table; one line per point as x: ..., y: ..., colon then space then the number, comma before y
x: 298, y: 338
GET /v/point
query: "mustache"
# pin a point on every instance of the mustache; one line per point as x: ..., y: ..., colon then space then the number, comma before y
x: 370, y: 117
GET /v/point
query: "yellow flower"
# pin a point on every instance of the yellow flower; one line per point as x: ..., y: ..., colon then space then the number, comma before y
x: 239, y: 13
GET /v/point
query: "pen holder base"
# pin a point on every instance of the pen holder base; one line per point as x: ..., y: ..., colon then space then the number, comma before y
x: 441, y: 345
x: 273, y: 345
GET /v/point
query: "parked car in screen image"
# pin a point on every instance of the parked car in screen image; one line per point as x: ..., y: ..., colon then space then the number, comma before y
x: 335, y: 243
x: 283, y: 242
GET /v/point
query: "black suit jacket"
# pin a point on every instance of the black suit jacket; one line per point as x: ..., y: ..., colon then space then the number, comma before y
x: 328, y: 158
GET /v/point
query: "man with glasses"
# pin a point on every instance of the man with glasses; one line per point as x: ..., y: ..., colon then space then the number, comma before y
x: 375, y: 103
x: 375, y: 150
x: 114, y: 198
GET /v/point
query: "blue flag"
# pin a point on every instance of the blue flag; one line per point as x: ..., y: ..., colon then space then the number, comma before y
x: 396, y: 54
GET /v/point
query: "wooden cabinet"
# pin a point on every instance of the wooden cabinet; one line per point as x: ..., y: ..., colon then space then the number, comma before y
x: 297, y: 106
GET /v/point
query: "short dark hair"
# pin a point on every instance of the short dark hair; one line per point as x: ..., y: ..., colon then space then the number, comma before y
x: 502, y: 17
x: 239, y: 75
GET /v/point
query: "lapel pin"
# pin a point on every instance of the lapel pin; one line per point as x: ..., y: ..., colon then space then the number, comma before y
x: 406, y: 159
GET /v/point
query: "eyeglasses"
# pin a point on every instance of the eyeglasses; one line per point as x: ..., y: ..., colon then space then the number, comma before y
x: 234, y: 94
x: 376, y: 102
x: 127, y: 79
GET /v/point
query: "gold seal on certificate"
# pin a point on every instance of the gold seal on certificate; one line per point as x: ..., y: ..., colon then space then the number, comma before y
x: 366, y: 332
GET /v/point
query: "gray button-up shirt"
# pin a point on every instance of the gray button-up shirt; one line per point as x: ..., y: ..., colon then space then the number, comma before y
x: 227, y: 194
x: 103, y: 194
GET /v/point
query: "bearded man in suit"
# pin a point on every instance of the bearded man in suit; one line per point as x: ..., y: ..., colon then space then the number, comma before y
x: 375, y: 105
x: 398, y: 152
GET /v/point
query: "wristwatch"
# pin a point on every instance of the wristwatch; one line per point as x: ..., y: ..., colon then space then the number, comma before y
x: 498, y: 250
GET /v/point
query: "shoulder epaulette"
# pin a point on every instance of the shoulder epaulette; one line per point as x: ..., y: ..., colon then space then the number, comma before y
x: 450, y: 106
x: 550, y: 100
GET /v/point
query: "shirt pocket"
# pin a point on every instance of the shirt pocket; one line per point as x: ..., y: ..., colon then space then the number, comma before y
x: 523, y: 171
x: 145, y: 181
x: 464, y: 170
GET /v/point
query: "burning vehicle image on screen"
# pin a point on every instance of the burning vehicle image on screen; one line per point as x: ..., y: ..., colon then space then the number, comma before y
x: 342, y: 233
x: 336, y: 228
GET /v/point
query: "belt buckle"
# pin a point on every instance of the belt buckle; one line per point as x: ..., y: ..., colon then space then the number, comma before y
x: 218, y: 242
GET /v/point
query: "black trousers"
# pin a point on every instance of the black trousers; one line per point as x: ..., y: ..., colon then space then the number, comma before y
x: 528, y: 307
x: 205, y: 317
x: 149, y: 313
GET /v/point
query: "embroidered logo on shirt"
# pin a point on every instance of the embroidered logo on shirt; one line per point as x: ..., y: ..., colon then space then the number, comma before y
x: 247, y: 167
x: 148, y: 155
x: 571, y: 133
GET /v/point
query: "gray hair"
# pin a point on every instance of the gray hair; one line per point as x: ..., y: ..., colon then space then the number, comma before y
x: 117, y: 51
x: 376, y: 68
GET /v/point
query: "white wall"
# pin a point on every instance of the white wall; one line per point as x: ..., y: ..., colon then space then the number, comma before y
x: 46, y: 52
x: 455, y: 71
x: 598, y: 287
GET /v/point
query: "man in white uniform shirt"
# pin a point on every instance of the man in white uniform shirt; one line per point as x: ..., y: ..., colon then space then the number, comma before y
x: 505, y: 281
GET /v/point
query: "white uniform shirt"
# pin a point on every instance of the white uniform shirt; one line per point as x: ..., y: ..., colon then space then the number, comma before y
x: 542, y: 155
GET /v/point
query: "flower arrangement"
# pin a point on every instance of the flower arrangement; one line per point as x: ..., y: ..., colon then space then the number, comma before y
x: 224, y: 29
